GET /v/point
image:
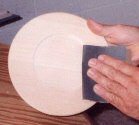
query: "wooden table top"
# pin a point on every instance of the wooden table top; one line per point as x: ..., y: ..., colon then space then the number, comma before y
x: 14, y: 111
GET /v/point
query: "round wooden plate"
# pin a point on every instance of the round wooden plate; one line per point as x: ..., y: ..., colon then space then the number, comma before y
x: 45, y: 63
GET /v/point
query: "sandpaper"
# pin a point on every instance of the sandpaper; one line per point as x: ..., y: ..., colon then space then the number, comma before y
x: 89, y: 52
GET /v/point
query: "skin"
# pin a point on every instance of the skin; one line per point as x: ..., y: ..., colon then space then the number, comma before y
x: 117, y: 81
x: 119, y: 35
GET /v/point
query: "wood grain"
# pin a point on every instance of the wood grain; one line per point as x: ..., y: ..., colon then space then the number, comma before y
x: 47, y: 56
x: 14, y: 111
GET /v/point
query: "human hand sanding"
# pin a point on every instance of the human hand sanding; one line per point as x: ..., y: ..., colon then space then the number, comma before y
x: 117, y: 81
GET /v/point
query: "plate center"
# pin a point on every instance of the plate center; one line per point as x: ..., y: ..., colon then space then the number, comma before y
x: 58, y: 61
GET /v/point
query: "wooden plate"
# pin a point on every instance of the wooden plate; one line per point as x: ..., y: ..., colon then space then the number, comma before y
x: 45, y: 63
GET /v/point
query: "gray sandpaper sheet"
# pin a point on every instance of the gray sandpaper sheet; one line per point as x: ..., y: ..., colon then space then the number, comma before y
x: 89, y: 52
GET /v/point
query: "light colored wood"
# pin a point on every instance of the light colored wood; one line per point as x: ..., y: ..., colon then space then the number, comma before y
x: 14, y: 111
x: 45, y: 63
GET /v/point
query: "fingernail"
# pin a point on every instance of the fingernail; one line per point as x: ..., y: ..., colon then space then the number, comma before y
x: 90, y: 72
x: 92, y: 62
x: 101, y: 57
x: 96, y: 89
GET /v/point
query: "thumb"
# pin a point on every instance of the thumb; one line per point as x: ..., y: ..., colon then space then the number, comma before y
x: 99, y: 29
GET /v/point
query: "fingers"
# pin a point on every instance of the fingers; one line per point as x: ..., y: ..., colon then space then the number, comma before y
x: 110, y: 72
x: 106, y: 83
x: 109, y: 97
x: 113, y: 92
x: 118, y: 65
x: 99, y: 29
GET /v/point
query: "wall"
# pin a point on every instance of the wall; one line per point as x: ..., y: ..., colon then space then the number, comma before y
x: 106, y: 11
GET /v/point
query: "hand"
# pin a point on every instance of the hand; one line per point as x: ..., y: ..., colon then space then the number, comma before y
x: 120, y: 35
x: 117, y: 83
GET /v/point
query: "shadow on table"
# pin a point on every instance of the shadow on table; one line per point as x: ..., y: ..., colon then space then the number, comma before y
x: 106, y: 114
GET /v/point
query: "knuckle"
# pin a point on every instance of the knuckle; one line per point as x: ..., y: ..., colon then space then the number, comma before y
x: 111, y: 73
x: 96, y: 77
x: 112, y: 86
x: 100, y: 65
x: 102, y: 80
x: 120, y: 65
x: 109, y: 85
x: 119, y: 26
x: 111, y: 98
